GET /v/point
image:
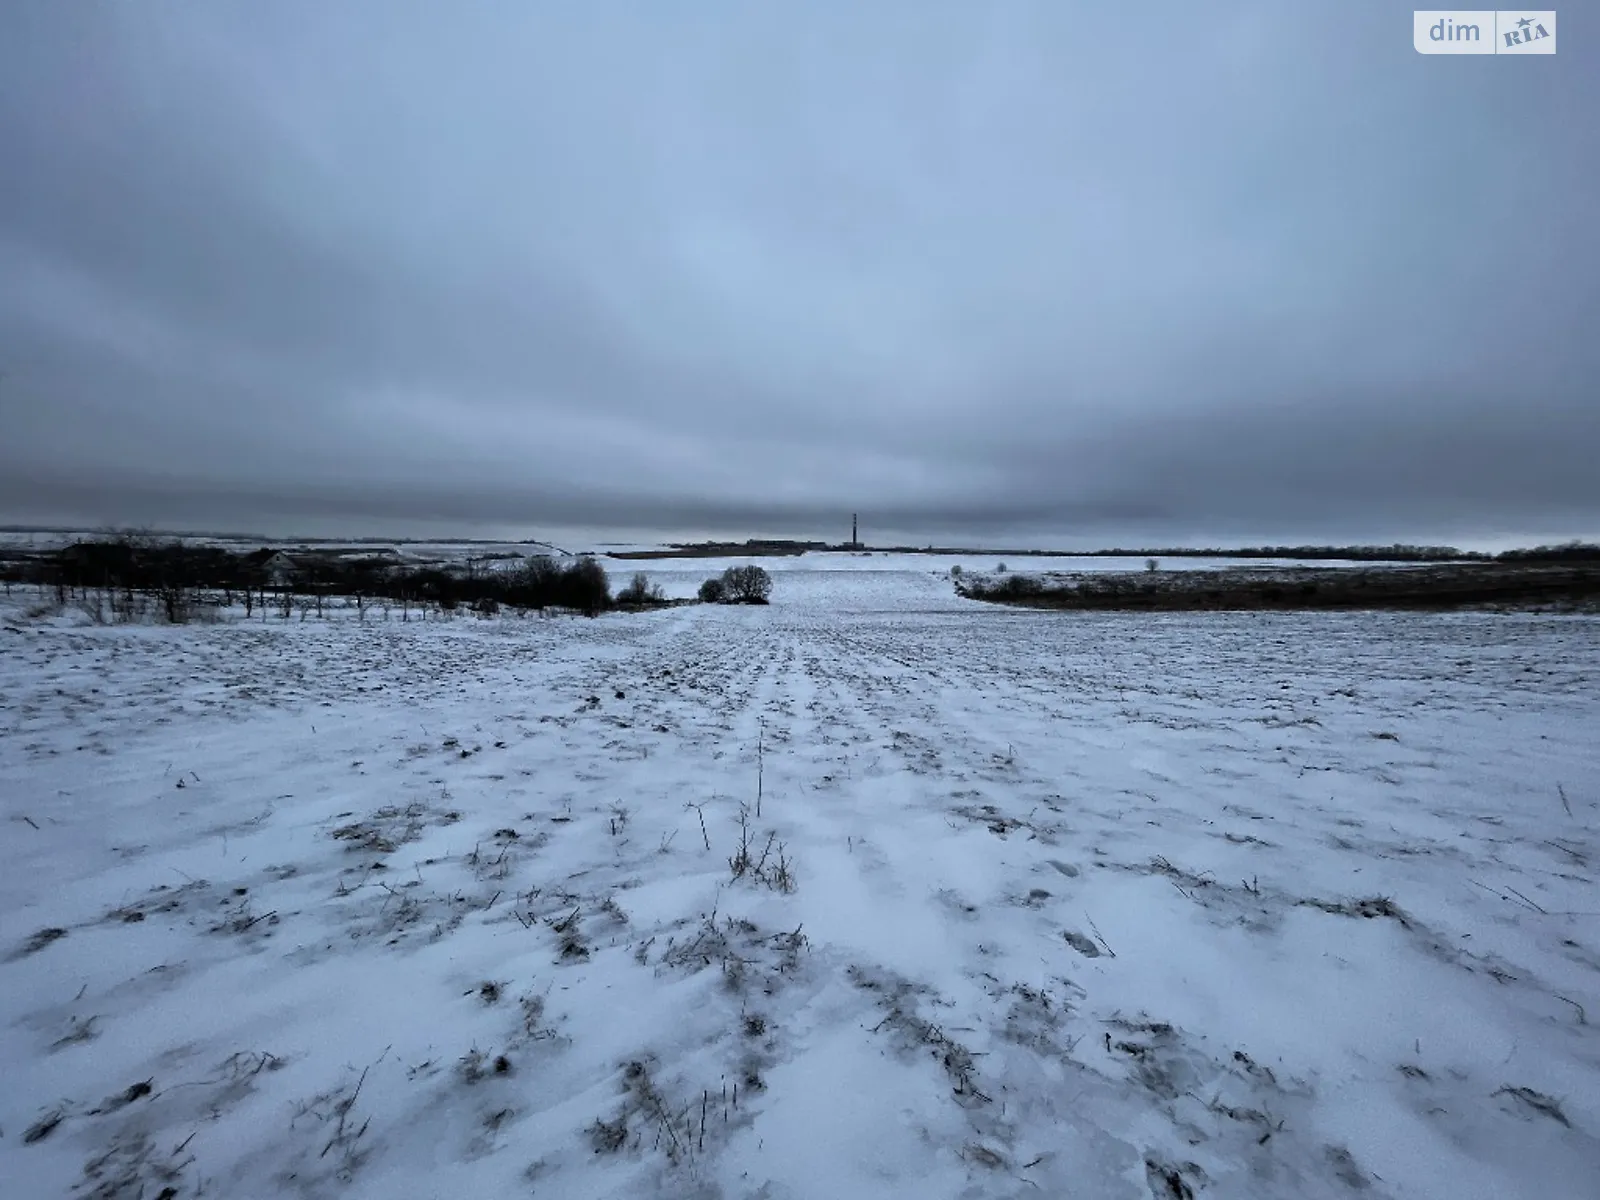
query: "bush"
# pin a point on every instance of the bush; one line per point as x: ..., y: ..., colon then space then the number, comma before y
x: 543, y: 582
x: 1019, y: 586
x: 746, y: 585
x: 586, y: 587
x: 712, y: 592
x: 640, y: 593
x: 541, y: 575
x: 1567, y: 552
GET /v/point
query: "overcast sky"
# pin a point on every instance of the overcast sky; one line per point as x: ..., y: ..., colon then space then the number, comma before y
x: 1049, y: 272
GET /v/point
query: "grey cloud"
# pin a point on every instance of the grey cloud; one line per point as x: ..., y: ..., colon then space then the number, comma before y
x: 1251, y: 268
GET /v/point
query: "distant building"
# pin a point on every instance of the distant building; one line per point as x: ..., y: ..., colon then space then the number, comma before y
x: 277, y: 568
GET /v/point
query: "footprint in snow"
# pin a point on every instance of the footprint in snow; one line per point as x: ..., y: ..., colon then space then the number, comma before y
x: 1081, y: 944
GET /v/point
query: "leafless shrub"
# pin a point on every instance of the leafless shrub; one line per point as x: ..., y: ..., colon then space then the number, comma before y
x: 772, y: 867
x: 746, y: 585
x: 335, y: 1107
x: 640, y: 593
x: 676, y: 1131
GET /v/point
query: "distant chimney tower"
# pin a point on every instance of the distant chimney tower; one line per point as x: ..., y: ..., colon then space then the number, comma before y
x: 854, y: 540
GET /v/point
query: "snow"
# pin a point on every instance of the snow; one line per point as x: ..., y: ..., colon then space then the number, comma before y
x: 1105, y: 905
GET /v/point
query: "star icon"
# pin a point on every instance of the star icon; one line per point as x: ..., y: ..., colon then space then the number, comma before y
x: 1525, y: 22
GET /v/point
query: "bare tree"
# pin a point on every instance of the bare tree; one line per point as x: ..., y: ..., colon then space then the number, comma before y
x: 747, y: 585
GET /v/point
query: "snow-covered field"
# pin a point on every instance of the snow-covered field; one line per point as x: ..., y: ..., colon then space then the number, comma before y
x: 814, y: 576
x: 1038, y: 904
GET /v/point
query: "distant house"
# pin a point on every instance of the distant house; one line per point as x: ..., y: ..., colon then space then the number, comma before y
x: 276, y: 568
x: 321, y: 566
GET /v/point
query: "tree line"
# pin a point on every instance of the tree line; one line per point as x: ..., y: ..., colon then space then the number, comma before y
x: 126, y: 573
x: 1567, y: 552
x: 122, y: 577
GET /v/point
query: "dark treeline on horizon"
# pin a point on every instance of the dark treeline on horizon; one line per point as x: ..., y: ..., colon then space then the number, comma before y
x: 1566, y: 552
x: 122, y: 571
